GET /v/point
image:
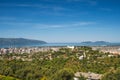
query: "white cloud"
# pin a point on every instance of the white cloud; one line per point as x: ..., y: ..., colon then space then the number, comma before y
x: 83, y: 23
x: 48, y: 26
x: 41, y: 6
x: 76, y: 24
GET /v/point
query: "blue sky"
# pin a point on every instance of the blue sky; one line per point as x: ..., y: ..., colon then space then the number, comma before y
x: 61, y: 20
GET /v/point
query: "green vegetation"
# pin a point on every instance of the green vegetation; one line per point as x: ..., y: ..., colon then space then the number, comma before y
x: 59, y: 65
x: 112, y: 75
x: 7, y: 78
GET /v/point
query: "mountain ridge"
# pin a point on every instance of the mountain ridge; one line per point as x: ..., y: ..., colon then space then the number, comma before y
x: 20, y: 41
x: 95, y: 42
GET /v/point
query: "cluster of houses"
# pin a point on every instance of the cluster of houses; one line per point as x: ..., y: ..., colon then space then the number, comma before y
x: 26, y: 50
x: 88, y: 75
x: 108, y: 49
x: 80, y: 56
x: 30, y: 49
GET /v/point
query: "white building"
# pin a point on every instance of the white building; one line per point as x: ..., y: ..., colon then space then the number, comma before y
x: 71, y: 47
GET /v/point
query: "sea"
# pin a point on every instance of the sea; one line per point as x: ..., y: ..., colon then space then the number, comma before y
x: 58, y: 44
x: 42, y: 45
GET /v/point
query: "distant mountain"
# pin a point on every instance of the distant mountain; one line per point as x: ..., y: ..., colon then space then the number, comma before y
x: 101, y: 42
x: 96, y: 43
x: 19, y: 41
x: 87, y: 42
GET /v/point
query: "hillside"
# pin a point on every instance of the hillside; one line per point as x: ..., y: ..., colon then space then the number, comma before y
x: 19, y: 41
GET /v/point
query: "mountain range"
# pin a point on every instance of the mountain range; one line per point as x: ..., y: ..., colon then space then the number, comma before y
x: 22, y: 42
x: 19, y: 41
x: 96, y: 43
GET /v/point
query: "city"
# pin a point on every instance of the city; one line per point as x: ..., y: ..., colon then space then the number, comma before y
x: 59, y: 40
x: 80, y: 55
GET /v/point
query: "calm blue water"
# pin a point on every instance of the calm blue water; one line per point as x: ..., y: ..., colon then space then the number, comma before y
x: 59, y: 44
x: 43, y: 45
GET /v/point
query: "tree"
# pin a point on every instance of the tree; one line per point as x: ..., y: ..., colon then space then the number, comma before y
x: 64, y: 74
x: 112, y: 75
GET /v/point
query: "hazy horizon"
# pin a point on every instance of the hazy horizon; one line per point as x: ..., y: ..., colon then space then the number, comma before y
x: 56, y: 42
x: 61, y: 20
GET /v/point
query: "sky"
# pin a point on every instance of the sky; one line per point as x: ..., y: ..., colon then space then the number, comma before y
x: 61, y: 20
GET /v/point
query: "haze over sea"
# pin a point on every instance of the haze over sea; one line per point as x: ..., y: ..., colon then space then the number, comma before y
x: 43, y: 45
x: 58, y: 45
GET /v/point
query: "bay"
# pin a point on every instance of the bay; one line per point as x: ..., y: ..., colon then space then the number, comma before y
x: 58, y: 44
